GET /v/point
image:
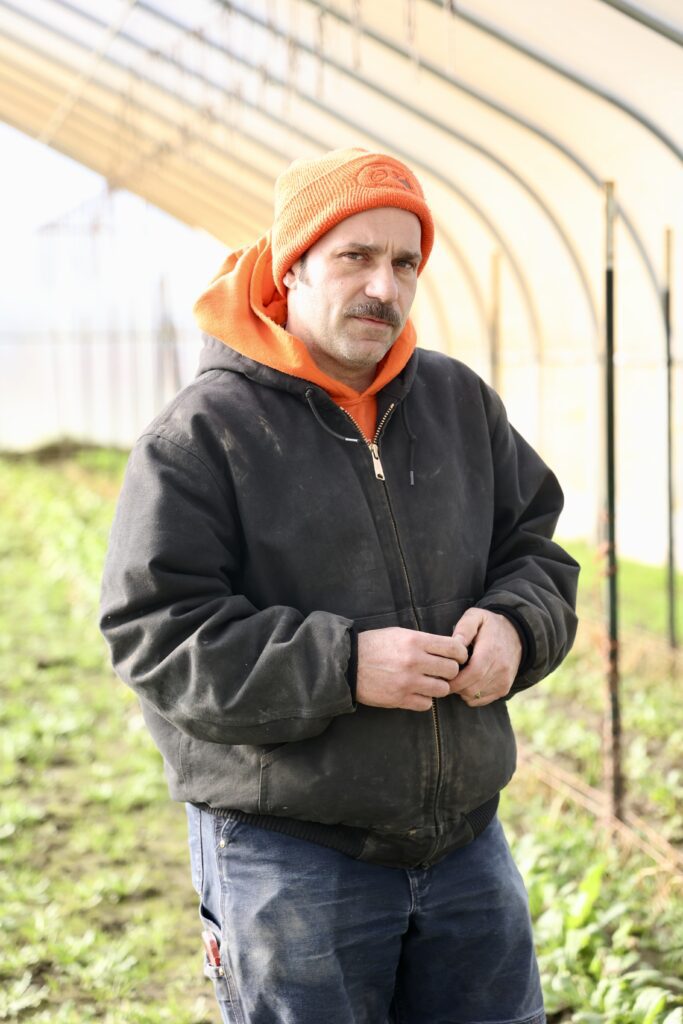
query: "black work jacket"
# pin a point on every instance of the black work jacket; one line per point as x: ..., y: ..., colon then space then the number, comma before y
x: 257, y: 533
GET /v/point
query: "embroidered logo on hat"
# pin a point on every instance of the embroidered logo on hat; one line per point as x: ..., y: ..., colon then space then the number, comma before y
x: 382, y: 176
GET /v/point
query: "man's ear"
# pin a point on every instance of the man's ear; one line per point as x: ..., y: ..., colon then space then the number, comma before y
x: 289, y: 280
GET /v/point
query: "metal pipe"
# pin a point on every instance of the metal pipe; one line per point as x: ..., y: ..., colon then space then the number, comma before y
x: 391, y: 145
x: 74, y: 93
x: 671, y: 497
x: 518, y: 273
x: 102, y: 140
x: 566, y: 72
x: 199, y: 192
x: 613, y: 717
x: 436, y: 303
x: 424, y: 63
x: 519, y: 119
x: 436, y: 122
x: 104, y: 137
x: 459, y: 258
x: 663, y: 28
x: 495, y: 320
x: 444, y: 235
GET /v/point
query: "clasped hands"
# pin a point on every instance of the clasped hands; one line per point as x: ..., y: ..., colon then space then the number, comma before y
x: 405, y: 668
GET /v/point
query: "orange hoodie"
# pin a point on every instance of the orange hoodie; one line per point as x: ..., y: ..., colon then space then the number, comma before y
x: 242, y: 308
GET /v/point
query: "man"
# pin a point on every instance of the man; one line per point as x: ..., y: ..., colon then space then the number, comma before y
x: 330, y: 567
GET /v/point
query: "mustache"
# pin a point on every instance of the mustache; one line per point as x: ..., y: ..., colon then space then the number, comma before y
x: 376, y: 310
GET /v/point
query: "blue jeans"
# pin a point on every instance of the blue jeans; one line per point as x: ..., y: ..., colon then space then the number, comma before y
x: 309, y: 935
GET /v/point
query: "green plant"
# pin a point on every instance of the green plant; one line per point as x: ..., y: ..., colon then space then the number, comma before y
x: 99, y: 920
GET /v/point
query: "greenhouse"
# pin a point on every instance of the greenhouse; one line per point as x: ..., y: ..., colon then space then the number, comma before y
x: 548, y: 138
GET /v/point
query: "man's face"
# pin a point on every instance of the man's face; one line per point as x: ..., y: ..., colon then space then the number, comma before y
x: 350, y: 299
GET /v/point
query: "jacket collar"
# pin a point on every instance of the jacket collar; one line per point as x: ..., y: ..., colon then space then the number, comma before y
x: 216, y: 355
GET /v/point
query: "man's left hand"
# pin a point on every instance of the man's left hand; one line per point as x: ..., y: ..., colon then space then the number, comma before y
x: 495, y: 658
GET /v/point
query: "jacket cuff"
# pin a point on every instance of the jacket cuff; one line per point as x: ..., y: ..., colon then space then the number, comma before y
x: 523, y: 631
x: 352, y: 667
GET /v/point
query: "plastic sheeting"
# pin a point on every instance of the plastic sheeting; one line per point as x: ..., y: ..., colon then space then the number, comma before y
x: 513, y: 115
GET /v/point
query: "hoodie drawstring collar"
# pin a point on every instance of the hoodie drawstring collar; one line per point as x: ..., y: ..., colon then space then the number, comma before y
x: 356, y: 440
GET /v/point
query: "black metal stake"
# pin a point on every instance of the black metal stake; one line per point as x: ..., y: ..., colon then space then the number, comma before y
x: 613, y: 716
x: 495, y: 321
x: 671, y: 498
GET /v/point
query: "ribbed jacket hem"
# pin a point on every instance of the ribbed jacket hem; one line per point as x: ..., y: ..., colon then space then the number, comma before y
x: 483, y: 815
x: 344, y: 838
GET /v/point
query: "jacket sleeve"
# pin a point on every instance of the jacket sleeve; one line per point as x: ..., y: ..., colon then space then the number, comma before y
x: 201, y: 654
x: 529, y: 578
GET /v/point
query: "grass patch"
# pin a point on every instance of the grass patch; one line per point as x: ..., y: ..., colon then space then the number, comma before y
x: 98, y: 917
x: 563, y: 718
x: 98, y: 914
x: 643, y: 597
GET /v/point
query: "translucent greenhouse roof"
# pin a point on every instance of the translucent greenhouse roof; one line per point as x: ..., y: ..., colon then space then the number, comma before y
x: 513, y: 114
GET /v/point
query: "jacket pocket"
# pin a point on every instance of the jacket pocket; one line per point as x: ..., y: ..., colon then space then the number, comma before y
x: 373, y: 769
x: 479, y: 754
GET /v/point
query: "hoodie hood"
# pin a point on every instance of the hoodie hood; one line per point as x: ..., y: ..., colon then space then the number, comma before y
x: 243, y: 308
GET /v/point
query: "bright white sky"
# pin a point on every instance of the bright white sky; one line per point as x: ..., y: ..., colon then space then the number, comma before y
x: 38, y: 184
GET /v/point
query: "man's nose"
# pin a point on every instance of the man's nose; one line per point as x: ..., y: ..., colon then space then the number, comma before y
x: 381, y: 283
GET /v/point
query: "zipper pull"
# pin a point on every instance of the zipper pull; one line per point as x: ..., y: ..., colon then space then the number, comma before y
x: 376, y: 461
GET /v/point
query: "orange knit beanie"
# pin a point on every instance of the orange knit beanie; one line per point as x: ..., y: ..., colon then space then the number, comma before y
x: 311, y: 196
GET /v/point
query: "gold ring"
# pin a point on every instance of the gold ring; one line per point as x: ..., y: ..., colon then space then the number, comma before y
x: 477, y: 695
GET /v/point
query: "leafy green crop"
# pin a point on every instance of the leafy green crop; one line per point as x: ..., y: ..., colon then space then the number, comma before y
x: 98, y: 917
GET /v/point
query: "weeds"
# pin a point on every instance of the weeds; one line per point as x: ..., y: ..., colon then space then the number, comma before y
x: 98, y: 915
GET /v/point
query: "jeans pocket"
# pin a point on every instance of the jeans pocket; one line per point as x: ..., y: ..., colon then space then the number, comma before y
x: 224, y: 826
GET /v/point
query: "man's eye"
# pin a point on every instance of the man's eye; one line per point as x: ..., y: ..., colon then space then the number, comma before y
x: 354, y: 255
x: 406, y: 264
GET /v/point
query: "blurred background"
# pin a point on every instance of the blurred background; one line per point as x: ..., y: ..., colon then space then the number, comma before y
x: 140, y: 142
x: 514, y: 115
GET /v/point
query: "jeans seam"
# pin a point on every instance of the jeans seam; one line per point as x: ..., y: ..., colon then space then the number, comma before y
x: 412, y: 883
x: 231, y: 986
x: 200, y: 830
x: 398, y: 1017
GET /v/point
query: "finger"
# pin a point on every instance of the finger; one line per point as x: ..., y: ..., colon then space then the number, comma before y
x: 467, y: 648
x: 478, y: 693
x: 480, y: 702
x: 428, y: 686
x: 441, y: 668
x: 416, y: 702
x: 445, y: 647
x: 472, y: 677
x: 458, y: 685
x: 468, y: 625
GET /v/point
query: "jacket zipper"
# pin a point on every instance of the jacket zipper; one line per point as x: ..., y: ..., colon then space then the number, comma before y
x: 374, y: 444
x: 379, y: 473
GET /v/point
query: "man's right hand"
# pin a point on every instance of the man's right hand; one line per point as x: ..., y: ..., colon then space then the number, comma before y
x: 404, y: 668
